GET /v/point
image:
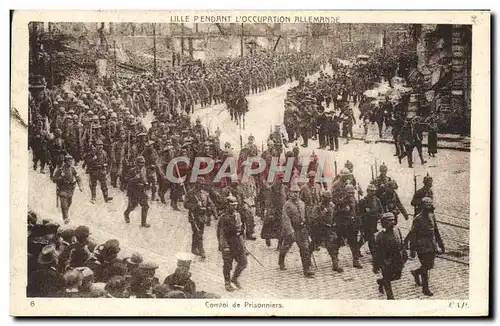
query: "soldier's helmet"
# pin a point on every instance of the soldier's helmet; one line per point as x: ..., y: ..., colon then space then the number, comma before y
x: 345, y: 172
x: 289, y: 154
x: 326, y: 195
x: 270, y: 142
x: 231, y: 200
x: 68, y: 157
x: 62, y: 110
x: 95, y: 117
x: 114, y: 115
x: 387, y: 216
x: 103, y: 117
x: 392, y: 184
x: 349, y: 165
x: 251, y: 137
x: 383, y: 168
x: 294, y: 188
x: 69, y: 117
x: 140, y: 159
x: 371, y: 187
x: 311, y: 174
x: 427, y: 179
x: 99, y: 142
x: 427, y: 202
x: 349, y: 189
x: 90, y: 113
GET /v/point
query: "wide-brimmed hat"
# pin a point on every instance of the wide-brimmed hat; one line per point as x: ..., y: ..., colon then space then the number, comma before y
x: 135, y: 259
x: 48, y: 255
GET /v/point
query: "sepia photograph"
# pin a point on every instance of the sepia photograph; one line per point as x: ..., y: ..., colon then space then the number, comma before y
x: 245, y: 159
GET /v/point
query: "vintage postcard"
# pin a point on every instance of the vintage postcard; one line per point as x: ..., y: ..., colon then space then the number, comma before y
x: 287, y: 163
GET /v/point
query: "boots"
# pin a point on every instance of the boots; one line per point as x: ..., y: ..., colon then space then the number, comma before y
x: 281, y: 261
x: 228, y: 286
x: 127, y: 218
x: 250, y: 236
x: 308, y: 273
x: 356, y: 263
x: 380, y: 283
x: 388, y: 290
x: 235, y: 281
x: 416, y: 276
x: 335, y: 264
x: 425, y: 284
x: 107, y: 199
x: 144, y: 218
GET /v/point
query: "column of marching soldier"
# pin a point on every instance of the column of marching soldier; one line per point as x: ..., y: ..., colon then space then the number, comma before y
x: 285, y: 215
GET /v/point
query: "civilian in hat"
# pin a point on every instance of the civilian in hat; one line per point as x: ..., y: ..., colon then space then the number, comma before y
x: 46, y: 280
x: 424, y: 239
x: 87, y: 280
x: 144, y: 280
x: 389, y: 255
x: 117, y: 287
x: 180, y: 280
x: 133, y: 262
x: 81, y: 248
x: 66, y: 177
x: 72, y: 281
x: 98, y: 290
x: 295, y: 230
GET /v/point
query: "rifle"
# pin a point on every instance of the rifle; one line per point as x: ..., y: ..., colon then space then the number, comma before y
x: 414, y: 191
x: 335, y: 163
x: 57, y: 196
x: 376, y: 167
x: 248, y: 251
x: 373, y: 178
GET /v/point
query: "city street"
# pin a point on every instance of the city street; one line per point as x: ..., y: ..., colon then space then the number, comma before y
x: 170, y: 232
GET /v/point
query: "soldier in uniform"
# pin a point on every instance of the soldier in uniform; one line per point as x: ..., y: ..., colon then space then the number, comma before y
x: 278, y: 195
x: 425, y: 191
x: 381, y: 181
x: 116, y: 159
x: 151, y: 157
x: 310, y: 194
x: 323, y: 230
x: 97, y: 165
x: 230, y: 237
x: 198, y: 203
x: 322, y: 126
x: 389, y: 255
x: 136, y: 191
x: 296, y: 230
x: 181, y: 170
x: 370, y: 210
x: 65, y: 177
x: 38, y: 144
x: 391, y: 202
x: 57, y: 150
x: 424, y: 238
